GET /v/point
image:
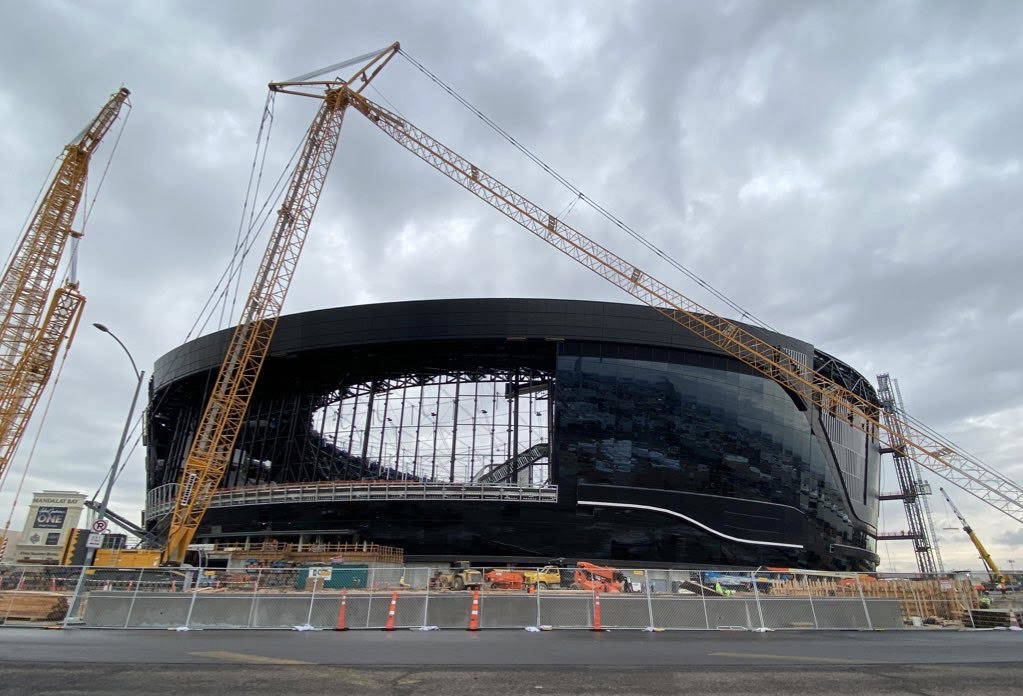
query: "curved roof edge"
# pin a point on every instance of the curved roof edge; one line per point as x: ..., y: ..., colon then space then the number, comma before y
x: 454, y: 319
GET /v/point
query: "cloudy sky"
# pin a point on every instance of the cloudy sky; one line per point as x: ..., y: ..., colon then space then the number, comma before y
x: 850, y: 172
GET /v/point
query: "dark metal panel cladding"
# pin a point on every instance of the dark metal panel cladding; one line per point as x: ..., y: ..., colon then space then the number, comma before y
x: 430, y: 320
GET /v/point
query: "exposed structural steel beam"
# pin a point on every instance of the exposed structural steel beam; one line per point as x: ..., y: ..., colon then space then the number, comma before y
x: 33, y: 326
x: 919, y: 444
x: 506, y: 470
x: 210, y: 452
x: 913, y: 489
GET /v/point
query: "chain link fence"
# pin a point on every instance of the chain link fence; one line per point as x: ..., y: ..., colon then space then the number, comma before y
x: 410, y: 597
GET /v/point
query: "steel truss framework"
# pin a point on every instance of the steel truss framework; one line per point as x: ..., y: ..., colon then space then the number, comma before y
x: 428, y: 425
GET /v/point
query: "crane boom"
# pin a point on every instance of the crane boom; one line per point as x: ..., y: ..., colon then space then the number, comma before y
x: 918, y: 444
x: 213, y: 444
x: 31, y: 331
x: 221, y: 422
x: 985, y: 557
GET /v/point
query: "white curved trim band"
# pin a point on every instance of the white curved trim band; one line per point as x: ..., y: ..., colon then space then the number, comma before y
x: 690, y: 520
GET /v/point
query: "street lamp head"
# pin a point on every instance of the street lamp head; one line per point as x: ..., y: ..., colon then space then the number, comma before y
x: 101, y: 327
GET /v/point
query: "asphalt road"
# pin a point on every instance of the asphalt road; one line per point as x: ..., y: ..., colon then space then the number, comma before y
x: 44, y: 662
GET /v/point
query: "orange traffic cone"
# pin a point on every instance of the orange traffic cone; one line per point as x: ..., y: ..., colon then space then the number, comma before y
x: 474, y: 615
x: 390, y: 612
x: 341, y: 613
x: 596, y: 613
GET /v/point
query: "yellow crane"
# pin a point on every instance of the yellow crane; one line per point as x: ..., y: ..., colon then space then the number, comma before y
x: 33, y: 325
x: 215, y: 436
x: 985, y: 558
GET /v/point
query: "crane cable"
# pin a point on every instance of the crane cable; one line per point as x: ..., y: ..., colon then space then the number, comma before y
x: 603, y: 211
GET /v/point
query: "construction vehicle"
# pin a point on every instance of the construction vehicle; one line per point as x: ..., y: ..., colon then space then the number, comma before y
x: 589, y: 576
x: 460, y: 577
x: 997, y: 576
x: 33, y: 326
x: 545, y: 578
x: 218, y: 428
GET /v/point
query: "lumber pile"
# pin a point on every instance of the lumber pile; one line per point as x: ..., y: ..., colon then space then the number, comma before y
x: 33, y: 606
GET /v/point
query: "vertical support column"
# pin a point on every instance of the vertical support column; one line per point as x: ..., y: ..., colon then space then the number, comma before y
x: 475, y: 410
x: 866, y: 613
x: 383, y: 436
x: 454, y: 429
x: 134, y: 595
x: 351, y: 430
x: 255, y: 595
x: 493, y: 420
x: 756, y: 596
x: 436, y: 424
x: 419, y: 422
x: 401, y: 426
x: 369, y: 423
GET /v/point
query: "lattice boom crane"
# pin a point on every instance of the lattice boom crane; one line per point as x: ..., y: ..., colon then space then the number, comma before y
x: 214, y: 441
x: 32, y: 325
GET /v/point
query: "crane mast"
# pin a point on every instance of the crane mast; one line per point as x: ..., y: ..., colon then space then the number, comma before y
x: 213, y: 443
x: 985, y: 558
x: 32, y: 326
x: 221, y: 422
x: 913, y: 490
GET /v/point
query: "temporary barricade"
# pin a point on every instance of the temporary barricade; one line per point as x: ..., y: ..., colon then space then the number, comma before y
x: 426, y: 597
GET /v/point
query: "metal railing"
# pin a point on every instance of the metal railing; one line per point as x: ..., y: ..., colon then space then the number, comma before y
x: 364, y: 596
x: 160, y: 500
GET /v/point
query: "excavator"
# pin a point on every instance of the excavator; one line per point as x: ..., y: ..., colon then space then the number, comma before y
x: 218, y: 428
x: 997, y: 576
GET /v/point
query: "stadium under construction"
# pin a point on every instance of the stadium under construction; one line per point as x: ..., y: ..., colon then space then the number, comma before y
x: 521, y: 430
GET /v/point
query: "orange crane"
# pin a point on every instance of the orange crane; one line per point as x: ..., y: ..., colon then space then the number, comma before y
x: 32, y: 325
x: 214, y: 441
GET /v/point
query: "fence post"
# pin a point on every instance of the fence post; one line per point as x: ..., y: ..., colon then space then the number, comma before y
x: 538, y: 624
x: 426, y: 602
x: 649, y: 604
x: 255, y: 591
x: 866, y: 613
x: 369, y: 585
x: 312, y: 598
x: 14, y: 591
x: 194, y: 579
x: 809, y: 594
x: 134, y: 594
x: 703, y: 596
x: 756, y: 596
x: 74, y: 598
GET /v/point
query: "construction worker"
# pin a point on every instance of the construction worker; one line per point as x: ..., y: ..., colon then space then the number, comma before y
x: 985, y: 600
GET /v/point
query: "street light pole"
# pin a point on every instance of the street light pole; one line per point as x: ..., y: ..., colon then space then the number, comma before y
x: 140, y: 376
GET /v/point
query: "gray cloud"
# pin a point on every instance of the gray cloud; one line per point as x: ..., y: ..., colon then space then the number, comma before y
x: 848, y: 172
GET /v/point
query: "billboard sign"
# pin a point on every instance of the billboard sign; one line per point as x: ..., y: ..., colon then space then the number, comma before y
x: 50, y: 517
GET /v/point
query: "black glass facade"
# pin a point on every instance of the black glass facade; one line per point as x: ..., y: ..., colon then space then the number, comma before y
x: 702, y: 424
x: 663, y: 449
